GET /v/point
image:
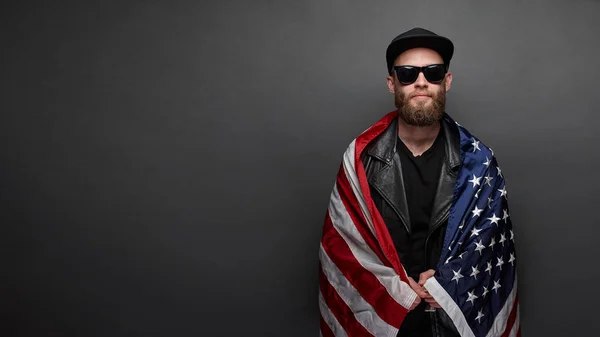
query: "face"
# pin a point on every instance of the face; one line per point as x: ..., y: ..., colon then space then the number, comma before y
x: 420, y: 103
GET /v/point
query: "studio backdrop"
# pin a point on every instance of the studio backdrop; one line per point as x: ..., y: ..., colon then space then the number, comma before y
x: 165, y: 166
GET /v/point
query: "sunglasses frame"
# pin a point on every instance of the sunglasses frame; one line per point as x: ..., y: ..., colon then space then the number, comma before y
x: 420, y: 70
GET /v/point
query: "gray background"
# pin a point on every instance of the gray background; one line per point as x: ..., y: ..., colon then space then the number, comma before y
x: 165, y: 166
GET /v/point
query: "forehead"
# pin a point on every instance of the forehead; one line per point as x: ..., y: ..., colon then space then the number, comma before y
x: 418, y: 57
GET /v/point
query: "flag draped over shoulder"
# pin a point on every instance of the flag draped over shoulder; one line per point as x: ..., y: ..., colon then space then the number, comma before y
x: 363, y: 286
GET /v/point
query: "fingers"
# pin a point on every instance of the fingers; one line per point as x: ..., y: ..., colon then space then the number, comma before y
x: 422, y: 293
x: 425, y: 276
x: 417, y: 288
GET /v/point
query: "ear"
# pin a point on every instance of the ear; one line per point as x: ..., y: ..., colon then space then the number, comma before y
x: 448, y: 81
x: 390, y: 84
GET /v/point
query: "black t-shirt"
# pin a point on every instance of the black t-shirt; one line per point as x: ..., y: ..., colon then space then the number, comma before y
x: 420, y: 176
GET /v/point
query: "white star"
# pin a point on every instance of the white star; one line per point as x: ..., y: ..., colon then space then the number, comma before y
x: 475, y: 181
x: 485, y: 291
x: 492, y: 151
x: 512, y: 236
x: 472, y: 296
x: 496, y: 286
x: 493, y: 242
x: 475, y: 145
x: 512, y: 259
x: 475, y: 231
x: 503, y: 192
x: 490, y: 200
x: 505, y: 215
x: 487, y: 161
x: 477, y: 193
x: 448, y: 260
x: 462, y: 224
x: 502, y: 239
x: 489, y: 268
x: 500, y: 262
x: 474, y: 272
x: 476, y: 211
x: 457, y: 275
x: 461, y: 255
x: 479, y: 316
x: 488, y: 180
x: 480, y: 247
x: 494, y: 219
x: 499, y: 171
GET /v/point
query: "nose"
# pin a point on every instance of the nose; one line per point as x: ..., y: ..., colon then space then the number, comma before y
x: 421, y: 81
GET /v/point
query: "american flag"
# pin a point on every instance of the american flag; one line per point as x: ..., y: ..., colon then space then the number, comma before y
x: 364, y: 288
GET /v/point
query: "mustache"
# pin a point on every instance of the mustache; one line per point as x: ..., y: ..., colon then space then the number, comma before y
x: 420, y: 94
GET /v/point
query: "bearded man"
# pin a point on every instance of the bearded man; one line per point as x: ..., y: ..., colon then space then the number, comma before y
x: 417, y: 239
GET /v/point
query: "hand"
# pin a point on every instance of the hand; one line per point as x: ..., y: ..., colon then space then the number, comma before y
x: 427, y: 297
x: 417, y: 289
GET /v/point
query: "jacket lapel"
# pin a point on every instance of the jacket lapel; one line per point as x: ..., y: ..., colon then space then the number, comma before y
x: 388, y: 181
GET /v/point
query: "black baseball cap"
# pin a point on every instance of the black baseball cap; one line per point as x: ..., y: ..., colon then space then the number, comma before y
x: 419, y: 38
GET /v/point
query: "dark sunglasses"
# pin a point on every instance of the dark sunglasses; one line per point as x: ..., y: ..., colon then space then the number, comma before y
x: 434, y: 73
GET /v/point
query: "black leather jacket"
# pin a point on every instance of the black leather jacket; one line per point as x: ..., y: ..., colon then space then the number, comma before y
x: 384, y: 173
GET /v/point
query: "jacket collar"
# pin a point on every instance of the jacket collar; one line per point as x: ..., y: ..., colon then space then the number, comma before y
x: 384, y: 146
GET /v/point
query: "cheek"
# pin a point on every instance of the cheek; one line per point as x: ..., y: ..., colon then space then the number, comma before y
x: 402, y: 91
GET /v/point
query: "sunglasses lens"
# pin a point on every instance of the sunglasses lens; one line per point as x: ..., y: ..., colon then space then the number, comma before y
x: 434, y: 73
x: 407, y: 75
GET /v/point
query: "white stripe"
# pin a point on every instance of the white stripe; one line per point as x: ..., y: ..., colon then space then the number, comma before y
x: 457, y: 316
x: 400, y: 291
x: 330, y: 319
x: 363, y: 312
x: 515, y: 328
x: 446, y: 302
x: 350, y: 170
x: 499, y: 325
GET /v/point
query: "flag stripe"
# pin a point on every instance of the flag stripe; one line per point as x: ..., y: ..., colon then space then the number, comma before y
x: 377, y: 274
x: 327, y: 315
x: 512, y: 317
x: 449, y: 306
x: 501, y: 319
x: 348, y: 324
x: 325, y: 330
x: 350, y: 201
x: 375, y: 301
x: 516, y: 328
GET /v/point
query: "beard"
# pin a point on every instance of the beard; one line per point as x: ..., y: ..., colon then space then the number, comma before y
x: 421, y: 113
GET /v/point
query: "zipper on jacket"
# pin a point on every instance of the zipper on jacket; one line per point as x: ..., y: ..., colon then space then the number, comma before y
x: 435, y: 227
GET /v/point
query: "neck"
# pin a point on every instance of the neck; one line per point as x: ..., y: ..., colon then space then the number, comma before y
x: 417, y: 139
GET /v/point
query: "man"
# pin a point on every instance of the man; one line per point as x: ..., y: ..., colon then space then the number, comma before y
x: 417, y: 239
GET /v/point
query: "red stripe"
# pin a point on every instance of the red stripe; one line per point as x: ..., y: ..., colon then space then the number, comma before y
x: 512, y: 318
x: 340, y: 310
x: 367, y: 285
x: 325, y: 329
x: 353, y: 207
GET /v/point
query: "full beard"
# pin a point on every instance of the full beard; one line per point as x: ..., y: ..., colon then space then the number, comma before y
x: 421, y: 113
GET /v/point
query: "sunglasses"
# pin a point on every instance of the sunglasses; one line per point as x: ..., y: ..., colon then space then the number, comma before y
x: 434, y: 73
